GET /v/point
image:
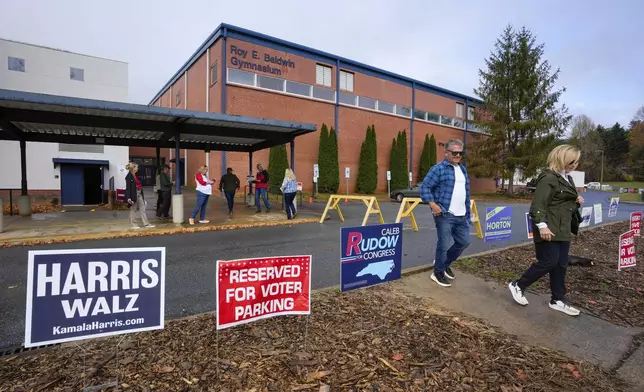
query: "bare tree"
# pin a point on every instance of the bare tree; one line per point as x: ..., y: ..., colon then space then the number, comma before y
x: 584, y: 135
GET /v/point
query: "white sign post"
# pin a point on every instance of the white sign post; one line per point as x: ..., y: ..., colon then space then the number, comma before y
x: 410, y: 178
x: 347, y: 174
x: 316, y: 174
x: 388, y: 182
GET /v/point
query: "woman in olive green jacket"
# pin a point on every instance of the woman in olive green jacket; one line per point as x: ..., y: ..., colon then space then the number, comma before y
x: 555, y: 217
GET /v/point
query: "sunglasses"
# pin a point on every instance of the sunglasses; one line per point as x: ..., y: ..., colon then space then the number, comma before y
x: 457, y: 153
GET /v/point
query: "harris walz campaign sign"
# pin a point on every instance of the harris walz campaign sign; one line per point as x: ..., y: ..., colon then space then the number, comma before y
x: 370, y: 255
x: 89, y: 293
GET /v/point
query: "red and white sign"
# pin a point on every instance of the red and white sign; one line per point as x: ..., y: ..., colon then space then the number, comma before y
x: 254, y: 289
x: 627, y: 250
x: 299, y: 186
x: 636, y: 222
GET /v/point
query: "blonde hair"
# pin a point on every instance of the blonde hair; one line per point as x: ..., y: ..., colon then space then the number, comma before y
x: 288, y: 173
x: 131, y: 167
x: 562, y: 156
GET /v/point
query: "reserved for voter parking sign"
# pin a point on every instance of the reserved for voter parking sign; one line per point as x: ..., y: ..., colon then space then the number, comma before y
x: 88, y: 293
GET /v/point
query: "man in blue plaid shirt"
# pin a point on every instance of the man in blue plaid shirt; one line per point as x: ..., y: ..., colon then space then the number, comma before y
x: 446, y: 188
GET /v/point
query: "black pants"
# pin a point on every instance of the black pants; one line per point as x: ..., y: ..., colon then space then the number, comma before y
x: 230, y: 198
x: 289, y: 198
x: 552, y: 258
x: 164, y: 207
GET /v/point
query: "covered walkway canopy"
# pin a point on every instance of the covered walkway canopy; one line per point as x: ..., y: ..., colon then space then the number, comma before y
x: 32, y: 117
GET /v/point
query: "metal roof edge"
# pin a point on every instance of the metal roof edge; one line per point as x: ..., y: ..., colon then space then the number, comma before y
x: 240, y: 30
x: 46, y: 99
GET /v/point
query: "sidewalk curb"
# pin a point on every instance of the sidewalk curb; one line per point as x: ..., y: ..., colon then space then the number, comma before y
x: 67, y: 238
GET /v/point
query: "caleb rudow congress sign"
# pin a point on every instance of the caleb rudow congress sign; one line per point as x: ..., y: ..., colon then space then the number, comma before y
x: 90, y: 293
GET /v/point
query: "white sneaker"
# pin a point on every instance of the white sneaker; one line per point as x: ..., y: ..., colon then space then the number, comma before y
x: 562, y: 307
x: 517, y: 294
x: 149, y: 226
x: 136, y: 227
x: 204, y: 221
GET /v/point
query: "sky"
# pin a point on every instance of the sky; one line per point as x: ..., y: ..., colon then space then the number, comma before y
x: 596, y: 44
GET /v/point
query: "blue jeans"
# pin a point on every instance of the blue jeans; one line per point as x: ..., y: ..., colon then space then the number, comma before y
x: 449, y: 226
x: 288, y: 202
x: 200, y: 207
x: 264, y: 194
x: 230, y: 198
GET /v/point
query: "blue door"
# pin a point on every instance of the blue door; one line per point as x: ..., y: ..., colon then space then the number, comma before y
x: 72, y: 184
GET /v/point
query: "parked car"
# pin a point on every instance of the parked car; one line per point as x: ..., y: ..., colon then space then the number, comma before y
x: 531, y: 185
x: 399, y: 194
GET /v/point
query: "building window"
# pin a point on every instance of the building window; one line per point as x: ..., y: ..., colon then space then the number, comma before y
x: 77, y: 74
x: 213, y: 74
x: 270, y: 83
x: 420, y: 114
x: 403, y: 111
x: 323, y: 75
x: 367, y: 103
x: 460, y: 110
x: 346, y: 81
x: 241, y: 77
x: 16, y: 64
x: 348, y: 99
x: 470, y: 113
x: 433, y: 117
x: 298, y: 88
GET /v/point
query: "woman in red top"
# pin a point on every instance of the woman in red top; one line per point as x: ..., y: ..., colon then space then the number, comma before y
x: 203, y: 186
x: 134, y: 196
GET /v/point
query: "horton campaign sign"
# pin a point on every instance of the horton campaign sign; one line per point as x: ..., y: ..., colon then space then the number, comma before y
x: 89, y: 293
x: 370, y: 255
x: 498, y: 223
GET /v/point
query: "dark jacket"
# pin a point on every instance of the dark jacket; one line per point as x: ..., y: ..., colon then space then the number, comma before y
x: 130, y: 188
x: 229, y: 183
x: 555, y: 203
x: 165, y: 182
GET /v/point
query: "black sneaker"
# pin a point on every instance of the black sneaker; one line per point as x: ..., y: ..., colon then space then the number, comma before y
x: 448, y: 273
x: 440, y: 279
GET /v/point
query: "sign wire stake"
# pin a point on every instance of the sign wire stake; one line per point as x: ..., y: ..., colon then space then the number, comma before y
x: 84, y: 367
x: 217, y: 353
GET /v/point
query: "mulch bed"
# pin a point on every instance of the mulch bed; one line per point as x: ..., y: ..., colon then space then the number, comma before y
x: 376, y: 339
x: 600, y: 289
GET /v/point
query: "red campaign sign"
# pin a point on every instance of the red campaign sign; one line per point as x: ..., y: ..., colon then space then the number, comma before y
x: 627, y: 250
x: 636, y: 222
x: 254, y: 289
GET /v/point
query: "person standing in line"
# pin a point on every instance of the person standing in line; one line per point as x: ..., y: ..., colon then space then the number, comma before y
x: 555, y: 217
x: 446, y: 188
x: 261, y: 188
x: 229, y: 184
x: 204, y: 190
x: 165, y: 190
x: 134, y: 196
x: 157, y: 189
x: 289, y: 189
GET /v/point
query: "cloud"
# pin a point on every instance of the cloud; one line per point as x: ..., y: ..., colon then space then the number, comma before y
x: 595, y: 44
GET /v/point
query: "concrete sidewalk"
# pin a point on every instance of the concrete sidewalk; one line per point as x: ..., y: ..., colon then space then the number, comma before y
x: 85, y: 223
x: 585, y: 337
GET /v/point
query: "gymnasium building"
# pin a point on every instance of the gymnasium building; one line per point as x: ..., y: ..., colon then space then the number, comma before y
x: 241, y: 72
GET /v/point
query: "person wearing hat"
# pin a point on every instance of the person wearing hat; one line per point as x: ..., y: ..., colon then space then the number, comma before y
x: 165, y: 189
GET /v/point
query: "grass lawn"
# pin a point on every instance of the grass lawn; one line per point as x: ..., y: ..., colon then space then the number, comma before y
x: 633, y: 184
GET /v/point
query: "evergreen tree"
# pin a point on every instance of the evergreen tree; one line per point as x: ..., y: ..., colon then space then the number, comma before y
x: 432, y: 151
x: 334, y: 165
x: 424, y: 164
x: 520, y: 106
x: 324, y: 159
x: 400, y: 173
x: 368, y: 170
x: 277, y: 164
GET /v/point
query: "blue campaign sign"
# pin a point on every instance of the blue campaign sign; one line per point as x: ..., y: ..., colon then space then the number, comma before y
x: 498, y: 223
x: 370, y: 255
x: 528, y: 225
x: 89, y: 293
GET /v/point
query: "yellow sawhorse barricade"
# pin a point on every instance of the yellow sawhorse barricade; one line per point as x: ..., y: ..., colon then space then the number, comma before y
x: 370, y: 201
x: 408, y: 205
